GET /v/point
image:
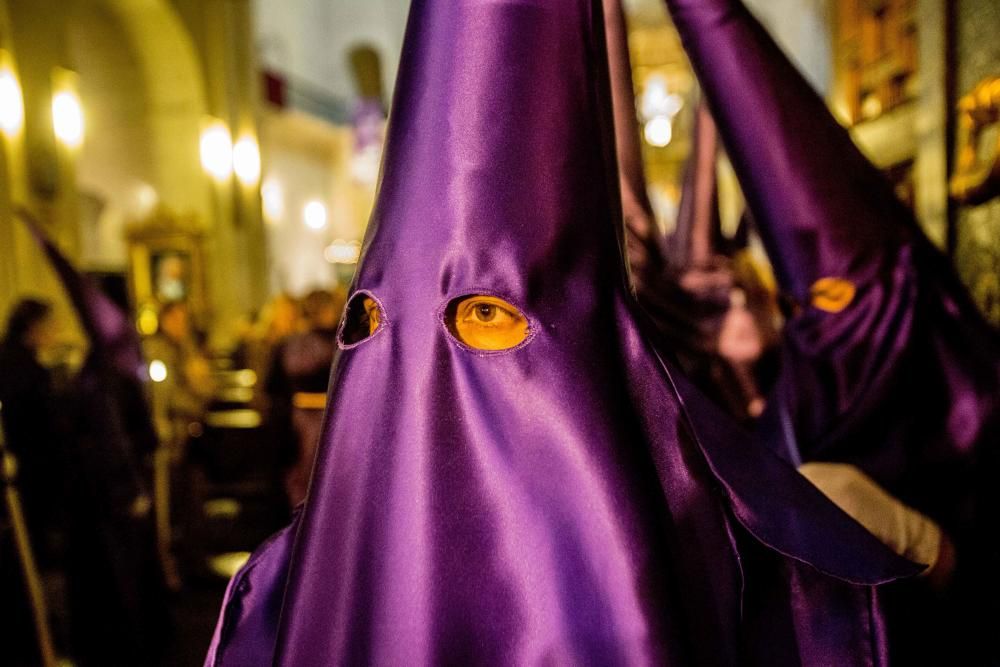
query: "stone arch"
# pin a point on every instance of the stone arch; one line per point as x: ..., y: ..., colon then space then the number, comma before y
x: 142, y: 88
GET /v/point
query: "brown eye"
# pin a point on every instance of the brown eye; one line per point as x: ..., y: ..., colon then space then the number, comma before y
x: 486, y: 322
x: 486, y: 312
x: 362, y: 319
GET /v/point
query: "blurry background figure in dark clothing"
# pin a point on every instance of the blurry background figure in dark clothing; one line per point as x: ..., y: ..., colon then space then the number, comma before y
x: 30, y: 421
x: 710, y: 299
x: 116, y: 596
x: 34, y: 437
x: 297, y: 383
x: 278, y: 320
x: 181, y: 375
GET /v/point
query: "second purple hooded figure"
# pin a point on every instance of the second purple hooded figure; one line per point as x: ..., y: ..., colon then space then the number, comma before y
x: 509, y: 473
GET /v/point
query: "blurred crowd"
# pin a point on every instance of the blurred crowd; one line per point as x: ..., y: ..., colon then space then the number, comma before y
x: 217, y: 452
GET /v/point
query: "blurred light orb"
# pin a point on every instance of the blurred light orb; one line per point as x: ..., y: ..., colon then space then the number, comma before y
x: 146, y: 199
x: 217, y: 151
x: 314, y: 215
x: 11, y: 103
x: 67, y: 118
x: 272, y: 197
x: 157, y: 371
x: 657, y: 100
x: 246, y: 161
x: 343, y: 252
x: 147, y: 322
x: 659, y: 131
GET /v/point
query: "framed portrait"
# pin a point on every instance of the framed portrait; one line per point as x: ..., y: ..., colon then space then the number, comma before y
x: 166, y: 263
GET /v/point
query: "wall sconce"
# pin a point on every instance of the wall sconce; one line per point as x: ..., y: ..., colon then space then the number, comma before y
x: 11, y: 98
x: 273, y: 199
x: 246, y: 161
x: 67, y: 111
x: 314, y: 215
x: 217, y: 150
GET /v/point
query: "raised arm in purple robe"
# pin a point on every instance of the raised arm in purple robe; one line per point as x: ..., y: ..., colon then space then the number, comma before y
x: 886, y: 365
x: 566, y: 499
x: 116, y: 591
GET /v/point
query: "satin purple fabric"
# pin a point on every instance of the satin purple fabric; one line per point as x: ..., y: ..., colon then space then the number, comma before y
x: 568, y: 501
x: 697, y: 236
x: 903, y: 382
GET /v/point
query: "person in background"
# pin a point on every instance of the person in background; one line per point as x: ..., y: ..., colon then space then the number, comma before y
x: 29, y: 401
x: 277, y: 321
x: 889, y: 378
x: 704, y: 293
x: 296, y: 386
x: 30, y: 406
x: 181, y: 375
x: 116, y: 594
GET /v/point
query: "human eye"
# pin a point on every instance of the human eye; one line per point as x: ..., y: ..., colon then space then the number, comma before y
x: 486, y: 322
x: 362, y: 319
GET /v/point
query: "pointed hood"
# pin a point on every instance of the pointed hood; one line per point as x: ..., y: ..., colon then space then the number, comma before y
x: 683, y: 321
x: 877, y: 301
x: 548, y: 499
x: 636, y: 207
x: 697, y: 236
x: 822, y: 208
x: 111, y: 422
x: 886, y: 364
x: 112, y: 336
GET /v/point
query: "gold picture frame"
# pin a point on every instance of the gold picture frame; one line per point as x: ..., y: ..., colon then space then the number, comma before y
x: 167, y: 263
x: 977, y: 175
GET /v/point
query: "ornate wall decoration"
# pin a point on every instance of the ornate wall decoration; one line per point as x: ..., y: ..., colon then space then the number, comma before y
x: 166, y: 264
x: 977, y: 172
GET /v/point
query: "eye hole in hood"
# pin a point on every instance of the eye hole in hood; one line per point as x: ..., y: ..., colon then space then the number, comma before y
x: 485, y: 322
x: 363, y: 318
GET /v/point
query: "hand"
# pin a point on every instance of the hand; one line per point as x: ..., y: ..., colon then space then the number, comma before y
x: 903, y: 529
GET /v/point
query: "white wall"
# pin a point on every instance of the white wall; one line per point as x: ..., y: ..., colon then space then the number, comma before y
x: 802, y: 29
x: 310, y: 39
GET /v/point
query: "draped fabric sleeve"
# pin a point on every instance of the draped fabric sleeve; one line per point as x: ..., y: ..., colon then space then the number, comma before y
x: 247, y: 627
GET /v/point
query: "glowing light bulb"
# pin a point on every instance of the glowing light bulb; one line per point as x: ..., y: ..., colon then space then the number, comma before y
x: 343, y: 252
x: 146, y: 199
x: 657, y: 100
x: 157, y: 371
x: 314, y: 215
x: 272, y: 197
x: 67, y: 118
x: 246, y: 161
x: 217, y: 151
x: 11, y: 103
x: 659, y: 131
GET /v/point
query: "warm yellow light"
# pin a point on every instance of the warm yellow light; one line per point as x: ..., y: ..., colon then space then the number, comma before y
x: 67, y: 118
x: 314, y: 215
x: 157, y: 371
x: 659, y: 131
x: 343, y: 252
x: 273, y: 199
x: 148, y: 322
x: 246, y: 161
x: 11, y: 103
x: 217, y: 151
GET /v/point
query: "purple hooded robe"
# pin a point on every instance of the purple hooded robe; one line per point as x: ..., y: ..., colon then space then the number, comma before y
x: 571, y: 500
x: 886, y: 364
